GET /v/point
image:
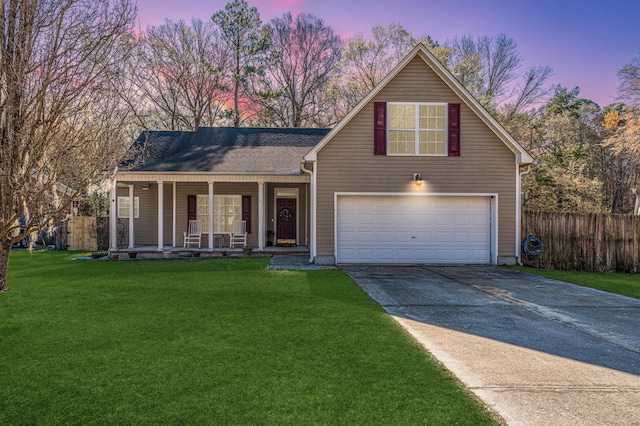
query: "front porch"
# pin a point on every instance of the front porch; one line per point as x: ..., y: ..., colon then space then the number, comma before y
x: 154, y: 214
x: 171, y: 252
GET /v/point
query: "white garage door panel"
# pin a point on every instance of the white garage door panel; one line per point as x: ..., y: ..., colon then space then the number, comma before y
x: 407, y: 229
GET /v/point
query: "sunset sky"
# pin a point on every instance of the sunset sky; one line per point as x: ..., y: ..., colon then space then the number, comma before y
x: 584, y: 41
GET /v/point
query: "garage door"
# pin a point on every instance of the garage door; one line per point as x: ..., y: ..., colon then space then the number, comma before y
x: 413, y: 229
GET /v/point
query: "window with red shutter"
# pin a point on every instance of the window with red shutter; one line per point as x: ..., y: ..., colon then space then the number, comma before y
x: 416, y: 128
x: 454, y: 130
x: 192, y: 214
x: 379, y: 128
x: 246, y: 211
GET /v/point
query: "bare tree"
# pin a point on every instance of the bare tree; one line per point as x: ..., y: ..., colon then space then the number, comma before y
x: 371, y: 60
x: 490, y: 69
x: 465, y: 62
x: 302, y: 58
x: 244, y: 38
x: 365, y: 62
x: 629, y: 76
x: 529, y: 93
x: 178, y: 76
x: 622, y: 143
x: 61, y: 126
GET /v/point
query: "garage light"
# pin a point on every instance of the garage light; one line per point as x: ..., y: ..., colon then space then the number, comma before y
x: 417, y: 179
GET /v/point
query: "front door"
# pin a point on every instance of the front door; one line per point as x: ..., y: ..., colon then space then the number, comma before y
x: 286, y: 217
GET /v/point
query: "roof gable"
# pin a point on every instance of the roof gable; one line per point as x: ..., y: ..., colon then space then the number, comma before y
x: 420, y: 51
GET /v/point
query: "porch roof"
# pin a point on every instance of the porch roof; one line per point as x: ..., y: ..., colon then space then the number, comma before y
x: 225, y: 150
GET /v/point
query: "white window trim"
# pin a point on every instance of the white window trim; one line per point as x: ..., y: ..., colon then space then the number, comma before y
x: 417, y: 129
x: 136, y: 208
x: 216, y: 211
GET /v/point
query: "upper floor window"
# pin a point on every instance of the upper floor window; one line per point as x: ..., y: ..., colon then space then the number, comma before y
x: 417, y: 128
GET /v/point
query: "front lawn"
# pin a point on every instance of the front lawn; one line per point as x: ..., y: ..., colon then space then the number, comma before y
x: 618, y: 283
x: 220, y: 341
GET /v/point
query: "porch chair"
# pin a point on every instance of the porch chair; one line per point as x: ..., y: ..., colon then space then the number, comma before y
x: 239, y: 235
x: 194, y: 234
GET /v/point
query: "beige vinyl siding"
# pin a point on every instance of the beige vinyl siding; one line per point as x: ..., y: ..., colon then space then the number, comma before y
x: 347, y: 163
x: 146, y: 226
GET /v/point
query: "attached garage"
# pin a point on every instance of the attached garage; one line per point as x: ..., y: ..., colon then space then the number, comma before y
x: 384, y: 228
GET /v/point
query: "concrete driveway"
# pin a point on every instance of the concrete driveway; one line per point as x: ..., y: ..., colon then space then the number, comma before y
x: 535, y: 350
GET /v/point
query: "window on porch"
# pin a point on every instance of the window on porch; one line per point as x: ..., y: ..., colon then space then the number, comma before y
x: 124, y: 206
x: 226, y: 210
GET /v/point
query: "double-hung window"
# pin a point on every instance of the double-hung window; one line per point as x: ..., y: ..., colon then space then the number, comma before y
x: 226, y: 210
x: 124, y: 204
x: 417, y: 128
x: 202, y: 210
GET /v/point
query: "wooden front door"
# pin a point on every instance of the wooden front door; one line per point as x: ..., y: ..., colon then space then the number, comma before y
x: 286, y: 217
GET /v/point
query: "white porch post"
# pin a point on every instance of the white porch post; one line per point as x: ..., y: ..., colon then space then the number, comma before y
x: 518, y: 212
x: 160, y: 215
x: 113, y: 216
x: 131, y: 212
x: 173, y: 240
x: 312, y: 204
x: 308, y: 211
x: 261, y: 215
x: 210, y: 217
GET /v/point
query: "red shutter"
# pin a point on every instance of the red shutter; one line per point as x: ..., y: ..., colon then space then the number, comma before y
x: 454, y: 130
x: 192, y: 213
x: 246, y: 211
x: 379, y: 128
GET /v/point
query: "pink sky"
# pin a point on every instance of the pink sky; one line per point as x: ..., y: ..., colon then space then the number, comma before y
x: 584, y: 41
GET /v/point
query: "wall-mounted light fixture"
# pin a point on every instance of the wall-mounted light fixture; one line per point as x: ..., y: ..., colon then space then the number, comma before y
x: 417, y: 179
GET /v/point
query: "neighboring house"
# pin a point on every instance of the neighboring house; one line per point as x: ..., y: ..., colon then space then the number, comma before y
x: 418, y: 172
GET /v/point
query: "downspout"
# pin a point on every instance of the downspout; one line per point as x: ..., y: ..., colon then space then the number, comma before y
x: 522, y: 170
x: 312, y: 212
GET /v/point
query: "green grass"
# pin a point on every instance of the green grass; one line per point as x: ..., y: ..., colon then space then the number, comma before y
x: 618, y: 283
x: 220, y: 341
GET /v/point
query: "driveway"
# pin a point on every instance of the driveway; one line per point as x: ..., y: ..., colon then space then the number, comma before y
x: 537, y: 351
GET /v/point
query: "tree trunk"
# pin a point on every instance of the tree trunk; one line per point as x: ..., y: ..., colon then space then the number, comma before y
x: 236, y: 89
x: 5, y: 248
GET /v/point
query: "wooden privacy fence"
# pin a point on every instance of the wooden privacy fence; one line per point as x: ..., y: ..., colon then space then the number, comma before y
x: 585, y: 241
x: 82, y: 234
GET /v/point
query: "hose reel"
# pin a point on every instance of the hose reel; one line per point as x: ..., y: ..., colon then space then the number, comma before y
x: 532, y: 247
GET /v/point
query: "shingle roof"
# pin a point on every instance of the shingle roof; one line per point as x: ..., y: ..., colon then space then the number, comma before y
x: 227, y: 150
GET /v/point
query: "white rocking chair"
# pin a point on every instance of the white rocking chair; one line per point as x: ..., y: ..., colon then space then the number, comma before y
x: 239, y: 235
x: 194, y: 234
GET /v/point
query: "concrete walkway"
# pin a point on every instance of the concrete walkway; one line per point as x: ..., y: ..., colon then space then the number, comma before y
x: 295, y: 263
x: 536, y: 351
